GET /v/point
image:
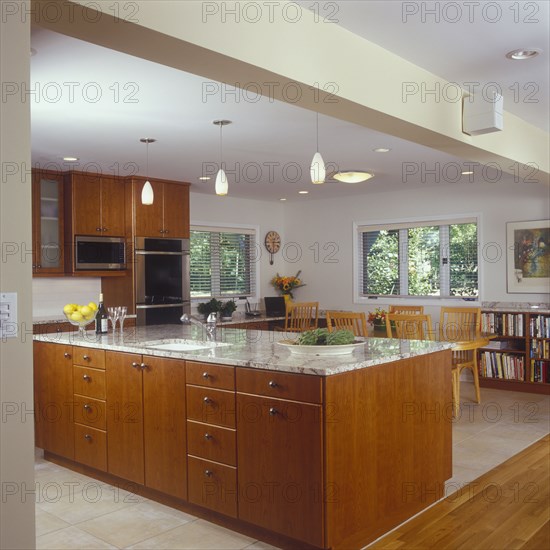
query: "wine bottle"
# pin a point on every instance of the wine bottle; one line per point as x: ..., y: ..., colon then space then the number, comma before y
x: 102, y: 319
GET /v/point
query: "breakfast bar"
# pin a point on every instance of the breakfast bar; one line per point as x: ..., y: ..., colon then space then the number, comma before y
x: 300, y: 450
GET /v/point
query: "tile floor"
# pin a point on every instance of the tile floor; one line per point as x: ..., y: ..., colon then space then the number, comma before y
x: 76, y: 512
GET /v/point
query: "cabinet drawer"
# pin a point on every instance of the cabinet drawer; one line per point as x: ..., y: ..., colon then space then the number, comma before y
x: 89, y: 357
x: 213, y: 486
x: 211, y: 376
x: 211, y: 406
x: 89, y: 411
x: 298, y: 387
x: 89, y: 382
x: 90, y: 447
x: 211, y: 442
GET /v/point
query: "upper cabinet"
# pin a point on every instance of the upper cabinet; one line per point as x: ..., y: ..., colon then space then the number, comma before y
x: 95, y: 205
x: 47, y: 223
x: 168, y: 216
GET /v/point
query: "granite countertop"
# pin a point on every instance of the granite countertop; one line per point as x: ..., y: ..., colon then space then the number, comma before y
x: 248, y: 348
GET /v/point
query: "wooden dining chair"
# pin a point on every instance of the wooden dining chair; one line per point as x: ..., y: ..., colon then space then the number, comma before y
x: 461, y: 325
x: 406, y: 309
x: 409, y: 326
x: 301, y: 316
x: 349, y: 320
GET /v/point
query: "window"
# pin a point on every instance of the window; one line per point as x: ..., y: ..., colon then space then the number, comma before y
x: 425, y: 259
x: 222, y: 262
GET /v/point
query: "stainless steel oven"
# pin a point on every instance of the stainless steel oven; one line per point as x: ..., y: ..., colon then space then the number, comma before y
x: 162, y: 280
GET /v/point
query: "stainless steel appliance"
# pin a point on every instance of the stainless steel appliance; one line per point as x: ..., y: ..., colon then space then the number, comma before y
x: 99, y: 253
x: 162, y: 280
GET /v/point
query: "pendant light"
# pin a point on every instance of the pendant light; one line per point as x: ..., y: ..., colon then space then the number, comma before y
x: 318, y: 171
x: 147, y: 195
x: 221, y: 179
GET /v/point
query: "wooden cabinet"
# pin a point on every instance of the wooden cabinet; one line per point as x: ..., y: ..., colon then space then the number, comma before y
x: 95, y: 205
x: 211, y: 437
x: 518, y: 359
x: 279, y: 445
x: 47, y: 223
x: 168, y: 216
x: 53, y: 396
x: 146, y: 431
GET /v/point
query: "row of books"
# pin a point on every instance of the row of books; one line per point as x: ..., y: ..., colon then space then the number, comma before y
x: 504, y: 324
x: 540, y: 371
x: 539, y: 326
x: 540, y: 349
x: 502, y: 365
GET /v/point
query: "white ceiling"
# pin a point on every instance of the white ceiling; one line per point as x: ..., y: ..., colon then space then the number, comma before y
x: 95, y: 104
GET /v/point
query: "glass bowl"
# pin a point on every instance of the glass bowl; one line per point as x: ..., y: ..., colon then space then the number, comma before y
x: 81, y: 323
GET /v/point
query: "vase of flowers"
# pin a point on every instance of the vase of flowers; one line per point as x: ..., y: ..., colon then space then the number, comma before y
x: 377, y: 319
x: 286, y: 285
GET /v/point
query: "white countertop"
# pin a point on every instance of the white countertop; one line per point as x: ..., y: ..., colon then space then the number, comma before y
x: 249, y: 348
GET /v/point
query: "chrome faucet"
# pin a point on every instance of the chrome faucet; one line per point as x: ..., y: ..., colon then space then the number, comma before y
x: 209, y: 327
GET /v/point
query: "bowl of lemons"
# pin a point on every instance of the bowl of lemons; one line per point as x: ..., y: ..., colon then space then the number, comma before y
x: 80, y: 316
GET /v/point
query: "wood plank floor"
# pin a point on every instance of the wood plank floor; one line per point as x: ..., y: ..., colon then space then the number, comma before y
x: 506, y: 508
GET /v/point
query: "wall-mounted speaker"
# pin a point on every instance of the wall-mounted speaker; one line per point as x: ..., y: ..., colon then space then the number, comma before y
x: 481, y: 114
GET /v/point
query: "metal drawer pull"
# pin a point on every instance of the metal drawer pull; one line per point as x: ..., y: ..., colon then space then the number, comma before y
x: 135, y: 365
x: 205, y: 375
x: 67, y: 355
x: 143, y: 366
x: 86, y: 357
x: 88, y: 437
x: 87, y: 378
x: 273, y: 411
x: 208, y: 473
x: 272, y: 384
x: 88, y: 407
x: 207, y: 436
x: 207, y: 400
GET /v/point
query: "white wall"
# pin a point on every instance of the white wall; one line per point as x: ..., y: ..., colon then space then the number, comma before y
x: 263, y: 215
x: 331, y: 222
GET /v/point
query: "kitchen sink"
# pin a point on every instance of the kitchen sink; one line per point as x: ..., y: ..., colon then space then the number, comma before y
x: 184, y: 345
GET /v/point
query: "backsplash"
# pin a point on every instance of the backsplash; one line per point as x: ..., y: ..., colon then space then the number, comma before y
x: 50, y: 294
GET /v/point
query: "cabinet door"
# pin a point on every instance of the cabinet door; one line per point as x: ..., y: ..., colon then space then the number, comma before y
x: 123, y: 380
x: 53, y: 396
x: 280, y: 466
x: 86, y: 212
x: 148, y: 218
x: 47, y: 220
x: 164, y: 425
x: 112, y: 207
x: 176, y: 211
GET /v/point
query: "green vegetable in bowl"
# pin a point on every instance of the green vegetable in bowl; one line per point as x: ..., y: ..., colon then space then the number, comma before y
x: 322, y: 337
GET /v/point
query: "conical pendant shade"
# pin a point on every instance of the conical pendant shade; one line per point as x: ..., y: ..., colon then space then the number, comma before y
x: 147, y: 195
x: 221, y: 183
x: 318, y: 171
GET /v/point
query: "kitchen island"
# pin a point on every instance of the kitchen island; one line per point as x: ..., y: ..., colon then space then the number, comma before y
x: 301, y: 451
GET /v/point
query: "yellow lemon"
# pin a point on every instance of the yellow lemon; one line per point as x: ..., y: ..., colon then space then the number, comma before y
x: 92, y: 305
x: 68, y: 309
x: 76, y: 316
x: 86, y: 311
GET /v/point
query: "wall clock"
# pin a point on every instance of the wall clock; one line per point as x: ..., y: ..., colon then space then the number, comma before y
x: 272, y: 243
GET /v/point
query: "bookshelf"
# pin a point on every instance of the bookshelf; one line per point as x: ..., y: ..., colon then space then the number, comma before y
x: 519, y: 358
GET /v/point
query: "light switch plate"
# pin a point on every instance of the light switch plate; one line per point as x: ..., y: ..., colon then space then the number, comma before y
x: 8, y: 315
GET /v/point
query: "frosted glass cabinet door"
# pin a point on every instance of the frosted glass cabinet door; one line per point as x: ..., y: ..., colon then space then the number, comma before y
x: 47, y: 223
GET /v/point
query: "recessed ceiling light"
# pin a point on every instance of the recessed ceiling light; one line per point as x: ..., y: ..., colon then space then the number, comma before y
x: 303, y: 192
x: 382, y: 150
x: 467, y: 172
x: 204, y: 178
x: 282, y: 199
x: 521, y: 54
x: 352, y: 176
x: 70, y: 159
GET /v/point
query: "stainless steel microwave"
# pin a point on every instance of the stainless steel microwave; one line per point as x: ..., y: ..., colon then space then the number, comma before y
x: 99, y: 253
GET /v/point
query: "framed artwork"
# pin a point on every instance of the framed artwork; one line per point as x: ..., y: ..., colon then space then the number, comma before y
x: 528, y: 256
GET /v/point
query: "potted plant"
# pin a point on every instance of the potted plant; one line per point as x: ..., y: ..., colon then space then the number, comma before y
x: 377, y: 319
x: 227, y: 309
x: 206, y: 308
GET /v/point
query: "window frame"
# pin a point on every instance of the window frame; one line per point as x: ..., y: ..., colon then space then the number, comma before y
x: 406, y: 223
x: 221, y: 227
